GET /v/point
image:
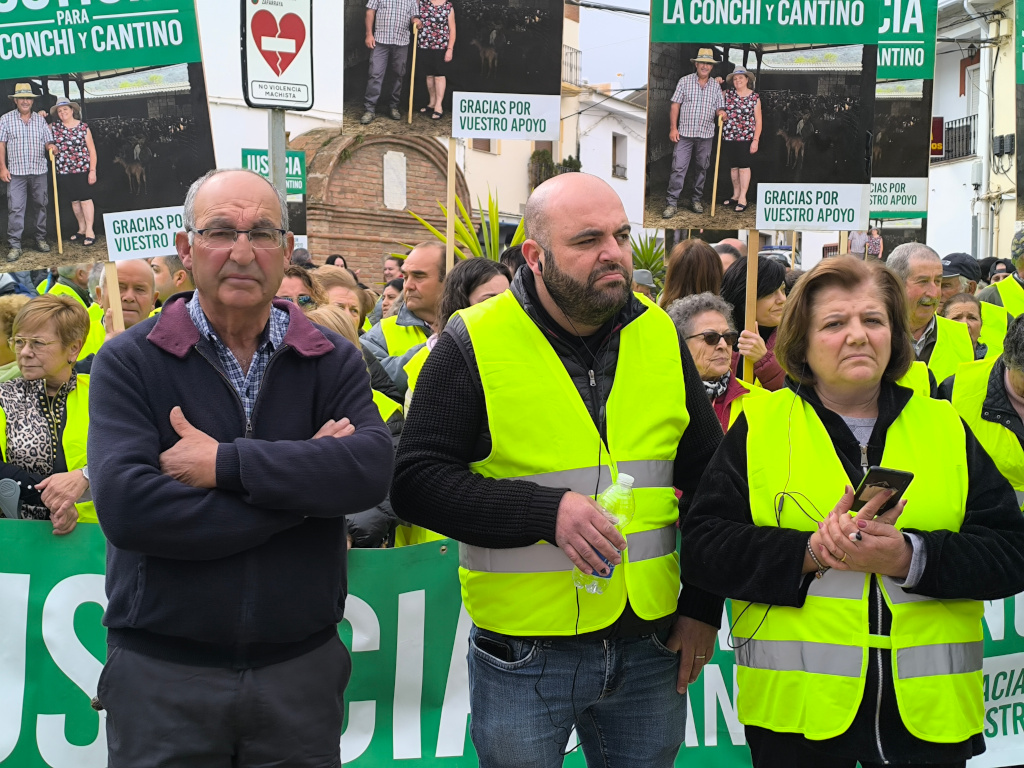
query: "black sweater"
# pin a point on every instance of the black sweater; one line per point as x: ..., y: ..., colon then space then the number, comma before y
x: 447, y: 430
x: 725, y: 552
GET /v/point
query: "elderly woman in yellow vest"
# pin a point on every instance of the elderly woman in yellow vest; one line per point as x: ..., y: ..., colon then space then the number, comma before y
x: 989, y: 396
x: 857, y: 638
x: 44, y: 416
x: 703, y: 321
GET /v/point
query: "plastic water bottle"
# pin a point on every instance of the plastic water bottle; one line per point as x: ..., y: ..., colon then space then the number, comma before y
x: 616, y: 501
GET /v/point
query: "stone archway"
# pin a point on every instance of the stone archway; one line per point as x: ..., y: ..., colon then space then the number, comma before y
x: 355, y: 208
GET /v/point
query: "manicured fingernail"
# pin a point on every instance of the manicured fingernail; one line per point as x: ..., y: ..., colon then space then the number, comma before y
x: 819, y: 524
x: 862, y: 523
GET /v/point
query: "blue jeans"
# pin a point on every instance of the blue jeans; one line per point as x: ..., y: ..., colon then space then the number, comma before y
x: 620, y: 695
x: 687, y: 149
x: 21, y: 191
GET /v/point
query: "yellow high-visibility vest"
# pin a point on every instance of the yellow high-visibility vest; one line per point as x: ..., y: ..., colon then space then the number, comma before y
x: 970, y: 388
x: 529, y: 590
x: 993, y: 329
x: 953, y: 346
x: 803, y: 670
x: 736, y: 406
x: 74, y: 439
x: 401, y: 338
x: 917, y: 379
x: 1012, y: 295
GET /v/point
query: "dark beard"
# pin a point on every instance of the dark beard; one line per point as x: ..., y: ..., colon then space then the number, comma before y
x: 583, y: 303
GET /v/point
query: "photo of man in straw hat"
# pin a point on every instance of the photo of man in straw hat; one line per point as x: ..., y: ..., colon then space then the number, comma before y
x: 696, y: 104
x: 25, y: 138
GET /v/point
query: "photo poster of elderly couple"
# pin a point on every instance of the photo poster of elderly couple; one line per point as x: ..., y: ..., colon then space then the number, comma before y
x: 789, y: 114
x: 488, y: 69
x: 117, y: 92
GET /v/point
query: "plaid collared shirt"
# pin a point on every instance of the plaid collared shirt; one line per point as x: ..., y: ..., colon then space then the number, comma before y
x: 26, y: 143
x: 393, y: 20
x: 697, y: 106
x: 246, y: 384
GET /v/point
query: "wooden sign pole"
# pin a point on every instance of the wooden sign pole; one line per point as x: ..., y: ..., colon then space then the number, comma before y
x: 449, y: 254
x: 113, y: 291
x: 750, y: 311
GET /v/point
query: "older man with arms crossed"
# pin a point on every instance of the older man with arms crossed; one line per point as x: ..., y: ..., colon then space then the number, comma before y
x: 229, y: 438
x: 525, y: 409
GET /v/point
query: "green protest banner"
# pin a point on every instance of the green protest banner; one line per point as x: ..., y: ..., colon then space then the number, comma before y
x: 52, y: 37
x: 408, y: 699
x: 906, y: 39
x: 258, y: 160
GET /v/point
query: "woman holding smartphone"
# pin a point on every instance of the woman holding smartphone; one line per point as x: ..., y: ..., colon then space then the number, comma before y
x: 858, y: 637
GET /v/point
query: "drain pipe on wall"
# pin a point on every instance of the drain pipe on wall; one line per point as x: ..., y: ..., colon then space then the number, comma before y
x: 984, y: 134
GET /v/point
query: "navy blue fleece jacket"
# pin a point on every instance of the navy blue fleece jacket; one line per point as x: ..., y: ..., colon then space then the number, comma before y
x: 253, y: 571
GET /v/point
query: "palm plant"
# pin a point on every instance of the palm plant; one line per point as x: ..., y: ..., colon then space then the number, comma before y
x: 649, y: 253
x: 468, y: 244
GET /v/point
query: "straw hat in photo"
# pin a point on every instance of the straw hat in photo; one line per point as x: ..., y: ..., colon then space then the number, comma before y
x: 23, y: 91
x: 76, y: 110
x: 705, y: 56
x: 740, y: 71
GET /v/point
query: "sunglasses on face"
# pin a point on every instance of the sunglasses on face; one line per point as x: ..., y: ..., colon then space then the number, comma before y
x: 711, y: 338
x: 305, y: 299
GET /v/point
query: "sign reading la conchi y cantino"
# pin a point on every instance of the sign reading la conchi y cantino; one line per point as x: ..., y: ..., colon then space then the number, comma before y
x: 407, y: 703
x: 40, y: 37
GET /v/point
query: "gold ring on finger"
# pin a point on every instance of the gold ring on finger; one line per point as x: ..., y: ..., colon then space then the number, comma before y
x: 843, y: 560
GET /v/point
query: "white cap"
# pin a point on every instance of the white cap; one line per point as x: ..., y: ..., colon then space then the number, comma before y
x: 626, y: 480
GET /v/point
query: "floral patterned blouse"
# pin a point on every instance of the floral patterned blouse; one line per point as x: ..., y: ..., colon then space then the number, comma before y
x: 72, y: 152
x: 434, y: 18
x: 739, y: 121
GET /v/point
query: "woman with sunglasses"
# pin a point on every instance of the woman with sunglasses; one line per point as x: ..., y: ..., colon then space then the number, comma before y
x: 299, y: 287
x: 44, y: 416
x: 703, y: 321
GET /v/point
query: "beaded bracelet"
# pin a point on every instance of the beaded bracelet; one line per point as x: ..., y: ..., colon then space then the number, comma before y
x: 817, y: 562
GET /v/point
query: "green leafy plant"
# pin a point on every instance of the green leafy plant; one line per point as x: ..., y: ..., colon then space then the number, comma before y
x: 571, y: 164
x: 649, y: 253
x: 542, y: 167
x: 468, y: 244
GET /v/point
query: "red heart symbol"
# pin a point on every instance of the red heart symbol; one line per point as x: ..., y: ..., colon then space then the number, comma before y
x: 279, y: 43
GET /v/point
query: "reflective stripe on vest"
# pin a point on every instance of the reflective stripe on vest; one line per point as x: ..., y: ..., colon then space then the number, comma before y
x: 73, y: 440
x: 529, y: 590
x: 993, y: 329
x: 1012, y: 295
x: 917, y: 379
x: 401, y: 338
x: 736, y: 406
x: 547, y: 558
x: 970, y: 388
x: 936, y: 645
x: 953, y: 346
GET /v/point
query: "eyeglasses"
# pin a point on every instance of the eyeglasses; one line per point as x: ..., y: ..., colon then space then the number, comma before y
x: 18, y: 343
x: 711, y: 338
x: 305, y: 299
x: 262, y: 238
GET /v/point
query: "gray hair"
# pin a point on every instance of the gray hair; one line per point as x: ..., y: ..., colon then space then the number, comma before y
x: 684, y: 310
x: 901, y: 256
x: 95, y: 278
x: 193, y: 192
x: 68, y: 271
x: 1013, y: 345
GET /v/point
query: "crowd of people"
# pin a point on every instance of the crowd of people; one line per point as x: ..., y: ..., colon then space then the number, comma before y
x: 490, y: 403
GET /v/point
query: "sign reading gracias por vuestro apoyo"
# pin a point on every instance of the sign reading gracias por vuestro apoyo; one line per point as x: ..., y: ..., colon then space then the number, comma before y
x: 143, y: 234
x: 506, y: 116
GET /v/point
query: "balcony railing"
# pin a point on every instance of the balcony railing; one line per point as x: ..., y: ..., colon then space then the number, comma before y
x: 572, y: 66
x: 960, y: 138
x: 619, y: 171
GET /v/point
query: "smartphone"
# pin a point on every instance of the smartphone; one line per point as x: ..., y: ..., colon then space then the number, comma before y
x: 877, y: 480
x: 495, y: 648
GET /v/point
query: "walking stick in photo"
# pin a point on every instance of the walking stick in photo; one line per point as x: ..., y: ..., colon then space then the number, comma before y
x: 750, y: 310
x: 412, y: 72
x: 56, y: 202
x: 718, y: 157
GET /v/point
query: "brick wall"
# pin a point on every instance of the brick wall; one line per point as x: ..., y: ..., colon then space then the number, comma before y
x: 345, y: 210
